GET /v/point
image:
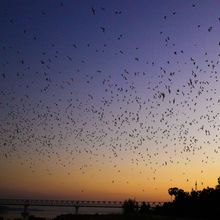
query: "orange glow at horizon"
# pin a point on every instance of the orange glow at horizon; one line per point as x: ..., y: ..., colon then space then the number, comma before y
x: 95, y: 185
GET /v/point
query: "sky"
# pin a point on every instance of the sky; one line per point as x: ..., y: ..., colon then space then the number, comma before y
x: 108, y: 100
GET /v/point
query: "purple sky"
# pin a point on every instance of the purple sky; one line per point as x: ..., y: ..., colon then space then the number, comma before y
x: 88, y: 86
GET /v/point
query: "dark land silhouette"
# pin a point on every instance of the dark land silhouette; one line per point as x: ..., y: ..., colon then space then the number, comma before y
x: 197, y: 204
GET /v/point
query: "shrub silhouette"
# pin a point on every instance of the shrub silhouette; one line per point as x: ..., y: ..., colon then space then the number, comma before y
x: 130, y: 206
x: 144, y: 209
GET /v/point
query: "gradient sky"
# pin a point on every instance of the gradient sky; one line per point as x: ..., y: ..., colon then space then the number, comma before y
x: 108, y: 99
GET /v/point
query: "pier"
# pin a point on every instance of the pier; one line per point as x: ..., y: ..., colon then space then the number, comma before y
x: 76, y: 204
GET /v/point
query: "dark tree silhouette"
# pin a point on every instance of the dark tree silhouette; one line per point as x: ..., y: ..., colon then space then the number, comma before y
x: 202, y: 203
x: 173, y: 191
x: 218, y: 185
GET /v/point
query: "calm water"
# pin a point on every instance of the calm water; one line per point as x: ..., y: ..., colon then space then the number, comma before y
x: 51, y: 212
